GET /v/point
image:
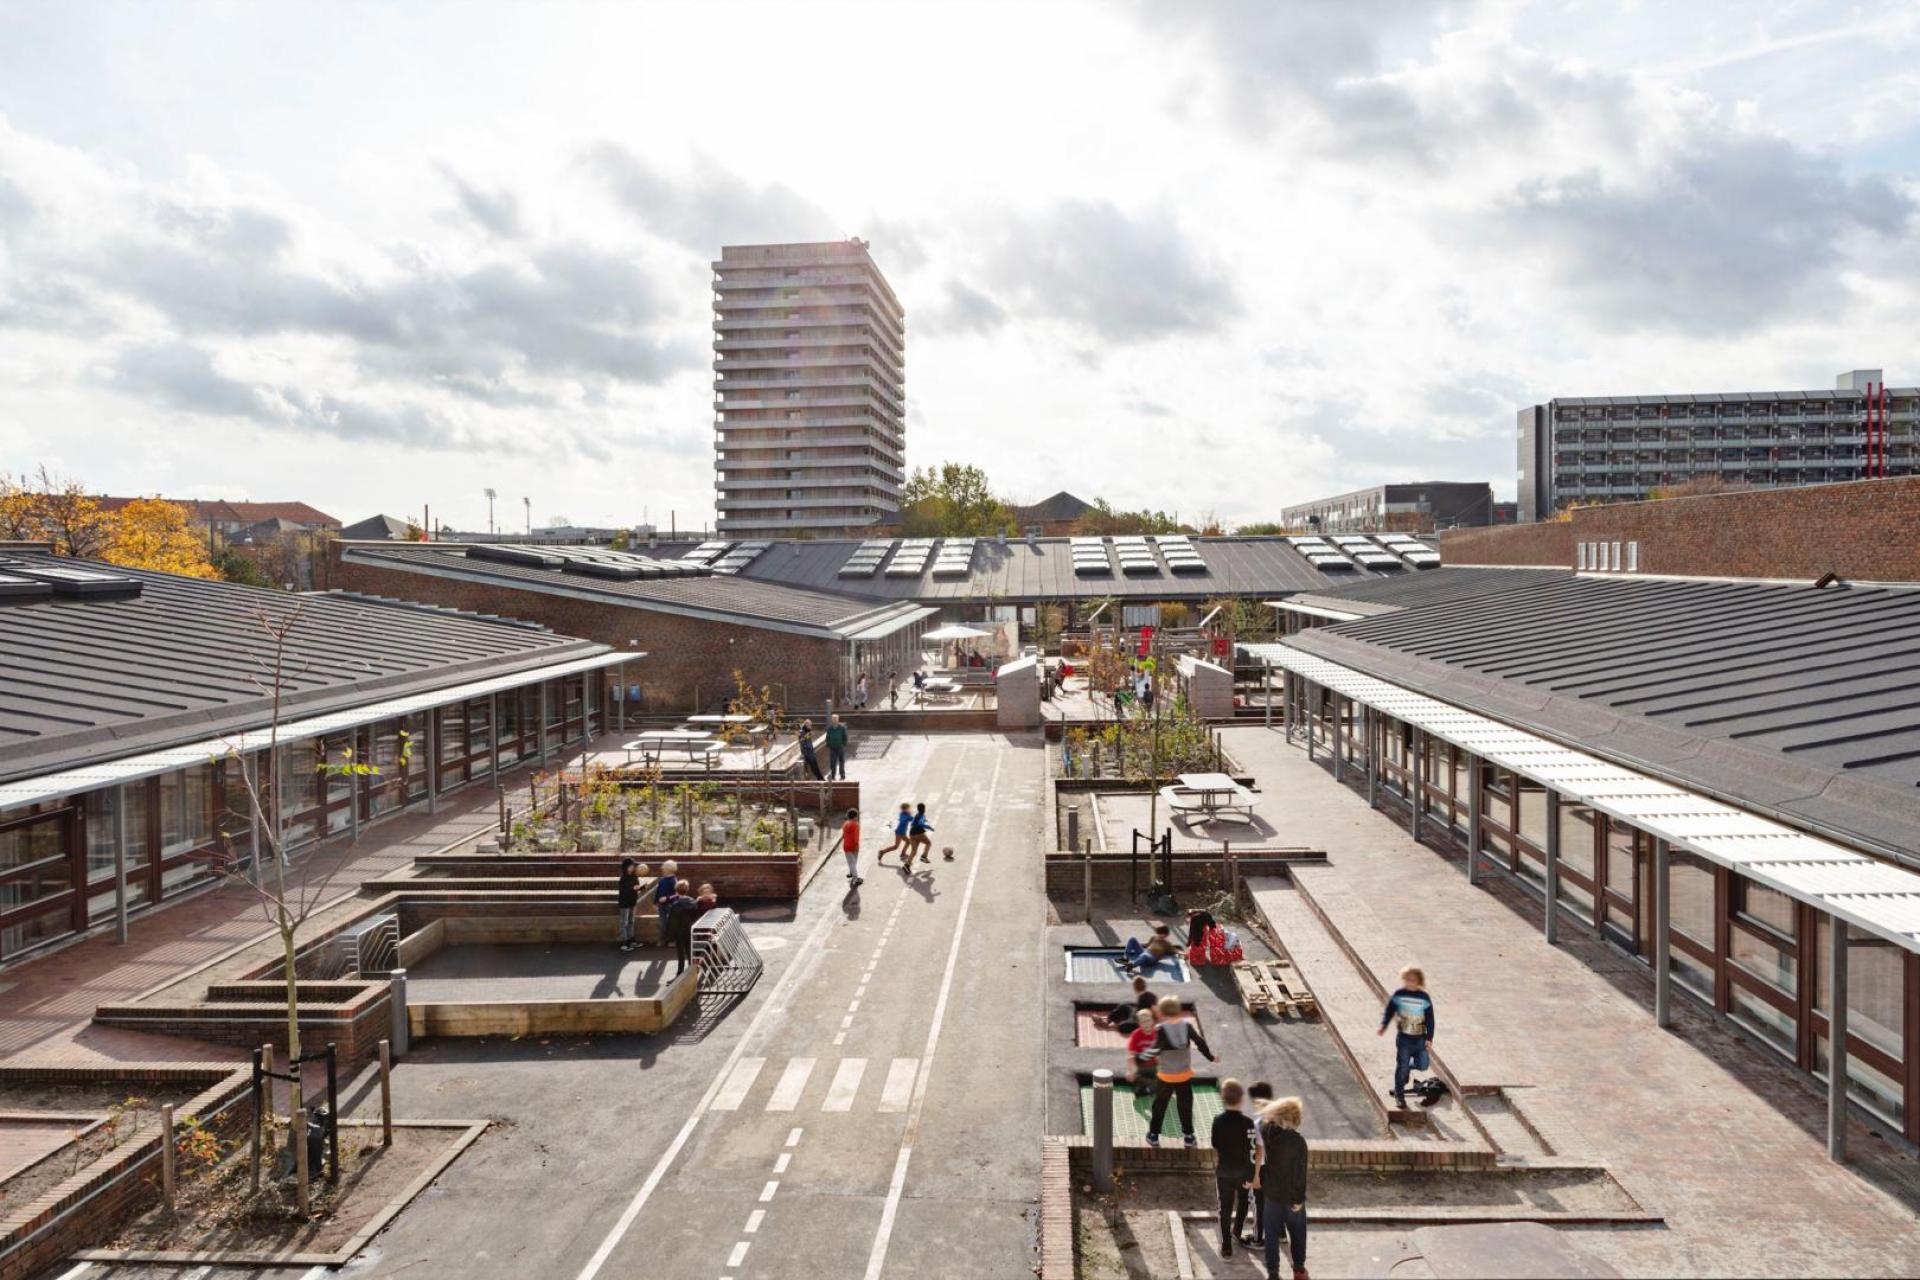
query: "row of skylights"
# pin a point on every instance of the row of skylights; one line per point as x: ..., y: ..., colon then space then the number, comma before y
x: 706, y: 552
x: 866, y: 558
x: 22, y: 578
x: 910, y: 560
x: 955, y: 559
x: 740, y: 557
x: 594, y: 562
x: 1089, y: 556
x: 1178, y: 551
x: 1136, y: 556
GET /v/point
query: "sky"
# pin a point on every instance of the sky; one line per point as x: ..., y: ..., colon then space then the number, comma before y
x: 1208, y: 257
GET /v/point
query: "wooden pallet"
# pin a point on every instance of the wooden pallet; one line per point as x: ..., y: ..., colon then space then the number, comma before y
x: 1273, y: 986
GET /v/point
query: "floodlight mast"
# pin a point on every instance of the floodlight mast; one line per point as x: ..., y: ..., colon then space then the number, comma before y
x: 528, y: 504
x: 490, y: 496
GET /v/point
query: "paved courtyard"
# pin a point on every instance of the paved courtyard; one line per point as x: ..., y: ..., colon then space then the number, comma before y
x: 875, y: 1105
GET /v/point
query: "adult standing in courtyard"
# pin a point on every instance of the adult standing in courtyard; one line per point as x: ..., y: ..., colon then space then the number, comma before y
x: 836, y: 748
x: 1410, y: 1011
x: 808, y: 759
x: 1176, y: 1039
x: 1283, y: 1185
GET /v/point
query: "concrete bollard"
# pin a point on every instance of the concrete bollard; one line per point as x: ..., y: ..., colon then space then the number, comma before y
x: 1103, y: 1130
x: 397, y: 998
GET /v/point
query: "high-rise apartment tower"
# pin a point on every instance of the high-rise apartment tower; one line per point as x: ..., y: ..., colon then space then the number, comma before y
x: 810, y: 389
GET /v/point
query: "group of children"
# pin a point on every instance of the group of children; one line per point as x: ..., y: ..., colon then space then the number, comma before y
x: 912, y: 832
x: 677, y: 907
x: 1259, y: 1155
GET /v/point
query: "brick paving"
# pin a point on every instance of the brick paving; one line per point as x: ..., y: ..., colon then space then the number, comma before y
x: 46, y: 1001
x: 1699, y: 1125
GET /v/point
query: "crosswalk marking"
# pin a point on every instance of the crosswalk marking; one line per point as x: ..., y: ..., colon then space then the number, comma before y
x: 739, y: 1254
x: 793, y: 1081
x: 754, y: 1220
x: 741, y: 1079
x: 846, y: 1083
x: 898, y: 1091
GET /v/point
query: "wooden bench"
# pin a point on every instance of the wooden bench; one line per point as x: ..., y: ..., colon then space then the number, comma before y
x: 1272, y: 986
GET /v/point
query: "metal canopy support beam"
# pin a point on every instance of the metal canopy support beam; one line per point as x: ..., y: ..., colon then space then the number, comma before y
x: 1837, y: 1040
x: 1371, y: 720
x: 541, y: 727
x: 1662, y: 939
x: 1553, y: 867
x: 1266, y: 692
x: 493, y: 731
x: 1314, y: 695
x: 1338, y: 737
x: 120, y: 863
x: 433, y: 760
x: 620, y: 703
x: 586, y: 710
x: 1473, y: 819
x: 1417, y: 792
x: 251, y: 764
x: 354, y: 783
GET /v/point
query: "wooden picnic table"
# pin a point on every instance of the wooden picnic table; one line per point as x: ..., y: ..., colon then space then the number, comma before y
x: 692, y: 743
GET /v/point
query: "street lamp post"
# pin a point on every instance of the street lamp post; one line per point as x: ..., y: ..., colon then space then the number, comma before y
x: 528, y: 503
x: 490, y: 495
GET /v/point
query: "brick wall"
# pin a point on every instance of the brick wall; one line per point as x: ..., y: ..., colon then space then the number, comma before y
x: 1862, y: 530
x: 1549, y: 544
x: 690, y: 661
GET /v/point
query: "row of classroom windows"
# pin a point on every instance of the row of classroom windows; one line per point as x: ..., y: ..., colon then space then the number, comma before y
x: 59, y: 861
x: 1749, y: 951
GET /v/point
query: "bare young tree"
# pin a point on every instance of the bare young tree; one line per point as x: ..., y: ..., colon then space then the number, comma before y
x: 288, y: 898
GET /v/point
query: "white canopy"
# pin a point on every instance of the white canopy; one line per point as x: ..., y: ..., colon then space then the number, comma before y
x: 955, y: 631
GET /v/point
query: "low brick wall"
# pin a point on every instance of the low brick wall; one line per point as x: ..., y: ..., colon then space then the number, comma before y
x: 734, y: 875
x: 85, y: 1207
x: 643, y: 1015
x: 355, y: 1025
x: 1066, y: 872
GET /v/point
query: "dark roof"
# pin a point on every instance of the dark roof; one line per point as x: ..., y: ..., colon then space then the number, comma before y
x: 222, y: 511
x: 1799, y: 701
x: 384, y: 528
x: 83, y: 680
x: 1025, y: 571
x: 739, y: 599
x: 1418, y: 590
x: 1061, y: 506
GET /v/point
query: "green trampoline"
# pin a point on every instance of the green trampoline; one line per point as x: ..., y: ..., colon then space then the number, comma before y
x: 1131, y: 1113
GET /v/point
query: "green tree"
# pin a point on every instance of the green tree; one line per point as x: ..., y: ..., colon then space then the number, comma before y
x: 1263, y: 528
x: 236, y: 567
x: 1106, y: 521
x: 952, y: 500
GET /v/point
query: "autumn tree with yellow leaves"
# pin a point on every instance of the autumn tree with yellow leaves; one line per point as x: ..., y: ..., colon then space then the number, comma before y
x: 147, y: 533
x: 152, y: 533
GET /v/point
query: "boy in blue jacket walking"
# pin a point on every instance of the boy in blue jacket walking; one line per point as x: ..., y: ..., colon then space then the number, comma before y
x: 1410, y: 1010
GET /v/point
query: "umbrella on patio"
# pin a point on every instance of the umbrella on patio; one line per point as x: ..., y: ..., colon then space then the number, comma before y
x: 955, y: 631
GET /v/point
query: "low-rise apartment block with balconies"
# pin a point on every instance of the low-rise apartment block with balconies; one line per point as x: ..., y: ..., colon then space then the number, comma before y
x: 809, y: 387
x: 1592, y: 449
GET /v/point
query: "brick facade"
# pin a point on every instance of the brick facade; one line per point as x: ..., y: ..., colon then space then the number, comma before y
x: 1862, y: 530
x: 689, y: 662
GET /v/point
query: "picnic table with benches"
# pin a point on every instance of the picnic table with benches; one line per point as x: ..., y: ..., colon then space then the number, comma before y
x: 694, y: 744
x: 1210, y: 796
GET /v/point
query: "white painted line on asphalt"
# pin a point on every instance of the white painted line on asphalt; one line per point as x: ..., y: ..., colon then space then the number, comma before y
x: 793, y: 1082
x: 793, y: 1137
x: 846, y: 1083
x: 739, y: 1254
x: 839, y: 1038
x: 767, y: 1192
x: 846, y: 1022
x: 855, y: 1006
x: 739, y: 1080
x: 898, y: 1091
x: 776, y: 999
x: 754, y: 1220
x: 780, y: 1164
x: 883, y: 1235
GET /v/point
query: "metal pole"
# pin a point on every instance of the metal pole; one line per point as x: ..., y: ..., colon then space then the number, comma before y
x: 1103, y: 1130
x: 250, y: 766
x: 120, y: 863
x: 1339, y: 736
x: 1315, y: 695
x: 386, y: 1093
x: 166, y: 1159
x: 1266, y: 691
x: 253, y: 1159
x: 1837, y: 1040
x: 1662, y: 959
x: 541, y: 728
x: 333, y: 1113
x: 1086, y: 869
x: 620, y: 703
x: 493, y: 732
x: 397, y: 1000
x: 353, y: 791
x: 1553, y: 867
x: 1473, y: 819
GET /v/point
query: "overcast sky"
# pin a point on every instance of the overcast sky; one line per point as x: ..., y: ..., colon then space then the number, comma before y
x: 1205, y: 257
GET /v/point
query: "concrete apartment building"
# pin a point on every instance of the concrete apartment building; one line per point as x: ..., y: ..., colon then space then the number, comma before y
x: 1591, y: 449
x: 810, y: 400
x: 1398, y: 508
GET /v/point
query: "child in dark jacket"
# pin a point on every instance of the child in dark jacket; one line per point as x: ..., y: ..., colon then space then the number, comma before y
x: 1410, y: 1011
x: 1233, y: 1149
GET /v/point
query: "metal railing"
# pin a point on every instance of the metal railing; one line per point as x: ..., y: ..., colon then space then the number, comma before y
x: 727, y: 962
